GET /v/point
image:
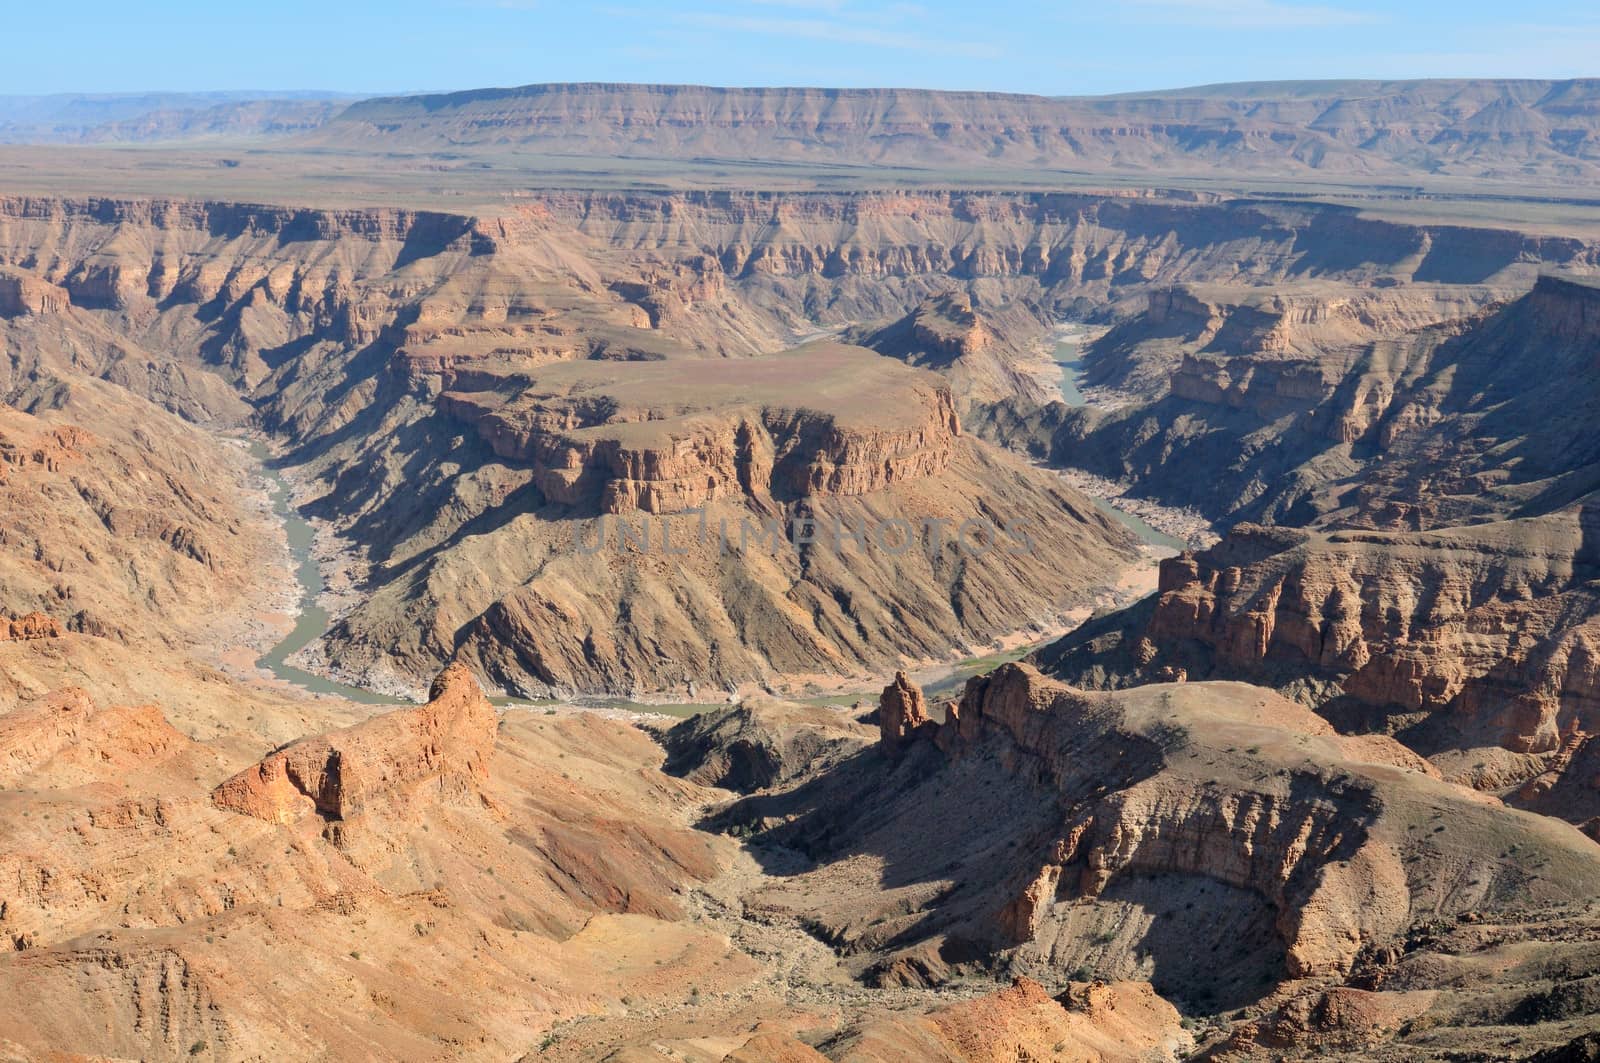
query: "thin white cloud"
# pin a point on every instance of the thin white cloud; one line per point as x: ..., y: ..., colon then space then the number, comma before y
x: 1251, y: 14
x: 839, y: 32
x: 804, y: 5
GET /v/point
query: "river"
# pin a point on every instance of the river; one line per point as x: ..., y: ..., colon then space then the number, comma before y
x: 1068, y: 355
x: 312, y: 621
x: 312, y: 618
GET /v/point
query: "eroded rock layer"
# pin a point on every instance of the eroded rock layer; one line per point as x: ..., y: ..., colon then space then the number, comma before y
x: 1398, y: 407
x: 1206, y: 836
x: 822, y: 420
x: 1464, y: 639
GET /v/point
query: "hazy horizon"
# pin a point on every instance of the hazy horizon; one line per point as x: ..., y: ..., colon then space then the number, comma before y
x: 1031, y: 47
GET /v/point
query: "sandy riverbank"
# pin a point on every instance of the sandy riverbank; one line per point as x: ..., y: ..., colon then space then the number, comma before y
x: 1187, y: 525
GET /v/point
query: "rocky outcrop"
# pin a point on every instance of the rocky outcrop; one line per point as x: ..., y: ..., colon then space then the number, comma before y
x: 1488, y: 631
x: 23, y: 293
x: 1335, y: 1020
x: 64, y: 738
x: 1257, y: 839
x: 902, y: 714
x: 29, y: 626
x: 402, y: 759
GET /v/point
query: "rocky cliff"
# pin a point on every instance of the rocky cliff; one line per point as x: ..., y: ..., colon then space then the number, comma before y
x: 439, y: 751
x: 840, y: 584
x: 1392, y: 407
x: 30, y: 626
x: 823, y: 420
x: 22, y: 293
x: 1212, y: 838
x: 1459, y: 640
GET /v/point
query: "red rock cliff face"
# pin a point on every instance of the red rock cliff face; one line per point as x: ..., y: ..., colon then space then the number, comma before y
x: 625, y: 455
x: 31, y: 626
x: 1495, y: 625
x: 439, y: 751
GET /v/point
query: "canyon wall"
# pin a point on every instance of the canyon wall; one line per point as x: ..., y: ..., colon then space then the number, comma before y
x: 418, y: 362
x: 1476, y: 646
x: 822, y: 420
x: 1330, y: 405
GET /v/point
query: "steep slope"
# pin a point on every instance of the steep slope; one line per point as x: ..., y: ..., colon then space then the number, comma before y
x: 1400, y: 407
x: 1286, y: 887
x: 1471, y: 644
x: 132, y: 530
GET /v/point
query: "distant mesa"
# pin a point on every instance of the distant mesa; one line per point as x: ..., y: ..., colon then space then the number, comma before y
x: 1364, y: 129
x: 825, y: 419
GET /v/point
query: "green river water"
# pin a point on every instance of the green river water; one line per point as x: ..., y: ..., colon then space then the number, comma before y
x: 312, y: 620
x: 1069, y: 356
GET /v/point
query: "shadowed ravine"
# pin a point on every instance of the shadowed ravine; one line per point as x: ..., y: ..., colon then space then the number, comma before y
x: 1068, y: 354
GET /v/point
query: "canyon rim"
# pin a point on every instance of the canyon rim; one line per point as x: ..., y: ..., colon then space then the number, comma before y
x: 600, y: 570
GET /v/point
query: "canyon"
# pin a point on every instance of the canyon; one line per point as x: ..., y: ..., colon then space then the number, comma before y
x: 707, y: 627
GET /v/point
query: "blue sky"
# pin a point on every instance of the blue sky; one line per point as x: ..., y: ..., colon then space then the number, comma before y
x: 1050, y: 48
